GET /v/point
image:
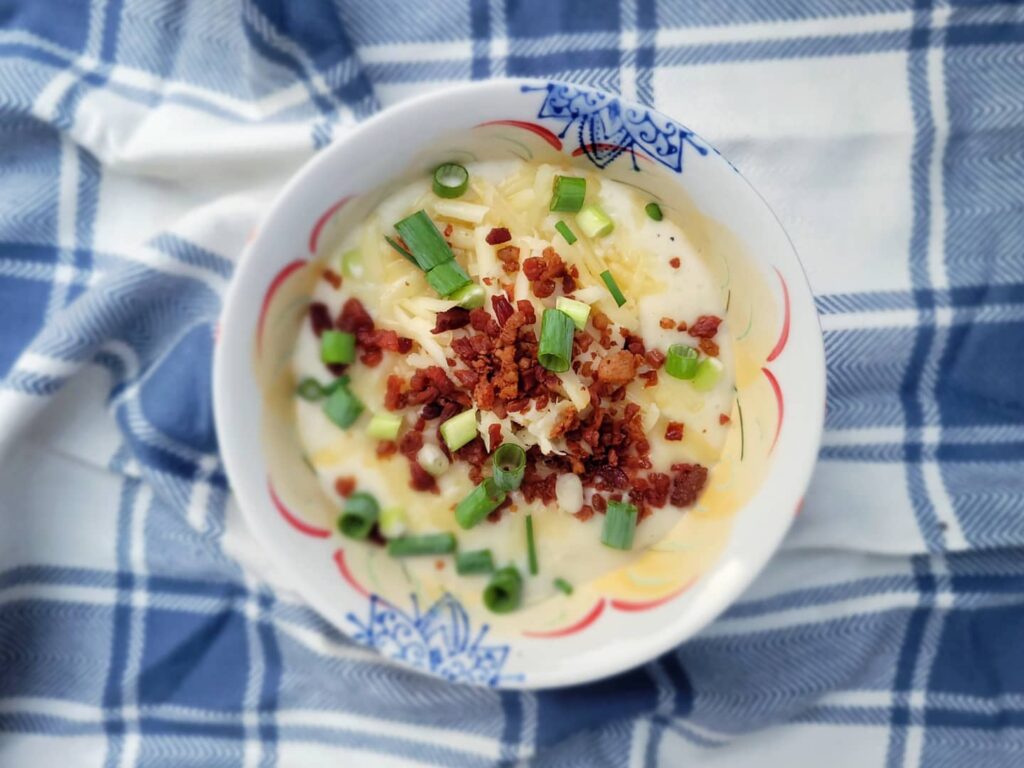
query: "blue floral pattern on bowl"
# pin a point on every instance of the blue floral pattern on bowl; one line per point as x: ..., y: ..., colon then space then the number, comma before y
x: 607, y: 127
x: 439, y: 641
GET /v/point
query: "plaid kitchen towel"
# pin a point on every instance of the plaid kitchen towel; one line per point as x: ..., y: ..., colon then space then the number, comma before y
x: 140, y: 140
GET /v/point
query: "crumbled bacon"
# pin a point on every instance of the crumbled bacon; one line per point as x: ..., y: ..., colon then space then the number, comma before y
x: 420, y: 479
x: 708, y: 347
x: 450, y: 319
x: 494, y: 435
x: 502, y: 309
x: 410, y: 444
x: 675, y: 262
x: 655, y: 358
x: 320, y: 318
x: 723, y: 419
x: 585, y: 513
x: 498, y: 235
x: 650, y: 378
x: 687, y: 482
x: 617, y: 369
x: 333, y: 278
x: 674, y: 430
x: 667, y: 323
x: 354, y: 317
x: 509, y: 258
x: 386, y: 449
x: 681, y: 326
x: 394, y: 397
x: 345, y: 486
x: 448, y: 230
x: 705, y: 327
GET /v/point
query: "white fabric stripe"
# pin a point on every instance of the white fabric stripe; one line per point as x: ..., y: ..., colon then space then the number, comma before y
x: 154, y: 259
x: 937, y: 219
x: 394, y: 53
x: 639, y: 736
x: 136, y: 627
x: 907, y: 318
x: 784, y: 29
x: 67, y: 202
x: 105, y: 596
x: 43, y: 365
x: 254, y: 681
x: 943, y: 505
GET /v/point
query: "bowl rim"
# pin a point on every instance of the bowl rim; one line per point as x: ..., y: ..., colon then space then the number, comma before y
x: 642, y: 648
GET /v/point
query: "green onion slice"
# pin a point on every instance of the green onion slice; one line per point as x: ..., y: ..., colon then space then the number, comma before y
x: 384, y: 426
x: 310, y: 389
x: 619, y: 525
x: 337, y: 347
x: 478, y: 561
x: 427, y: 245
x: 448, y: 278
x: 613, y: 288
x: 555, y: 350
x: 426, y: 544
x: 352, y: 262
x: 504, y: 592
x: 709, y: 371
x: 459, y: 429
x: 342, y: 407
x: 577, y: 310
x: 567, y: 193
x: 681, y: 361
x: 397, y: 246
x: 594, y: 222
x: 469, y: 296
x: 653, y: 210
x: 563, y: 586
x: 531, y: 546
x: 484, y: 499
x: 360, y: 513
x: 450, y: 180
x: 392, y: 522
x: 564, y: 231
x: 509, y: 466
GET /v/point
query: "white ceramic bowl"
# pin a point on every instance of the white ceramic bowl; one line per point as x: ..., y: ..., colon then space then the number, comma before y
x: 757, y: 489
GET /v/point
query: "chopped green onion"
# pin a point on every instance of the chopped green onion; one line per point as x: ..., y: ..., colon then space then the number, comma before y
x: 613, y: 288
x: 352, y: 263
x: 310, y: 389
x: 504, y: 591
x: 594, y: 222
x: 342, y: 407
x: 360, y: 513
x: 577, y: 310
x: 478, y: 561
x: 563, y: 586
x: 619, y: 525
x: 384, y: 426
x: 653, y: 210
x: 341, y: 381
x: 469, y: 296
x: 681, y: 361
x: 709, y: 371
x: 564, y: 231
x: 484, y: 499
x: 509, y: 466
x: 398, y: 247
x: 531, y: 546
x: 427, y: 245
x: 337, y: 347
x: 392, y: 522
x: 433, y: 460
x: 448, y: 278
x: 555, y: 349
x: 426, y: 544
x: 567, y: 193
x: 459, y: 429
x: 450, y: 180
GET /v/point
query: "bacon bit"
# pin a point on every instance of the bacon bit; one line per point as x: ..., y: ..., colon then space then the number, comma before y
x: 345, y: 486
x: 439, y: 565
x: 371, y: 358
x: 681, y: 326
x: 320, y: 318
x: 448, y: 230
x: 333, y: 278
x: 675, y: 262
x: 617, y: 369
x: 450, y: 319
x: 543, y: 288
x: 600, y: 320
x: 708, y: 347
x: 494, y: 435
x: 533, y: 268
x: 337, y: 369
x: 509, y: 258
x: 404, y: 345
x: 723, y: 419
x: 687, y: 482
x: 487, y: 281
x: 568, y: 284
x: 502, y: 309
x: 599, y: 502
x: 705, y: 327
x: 510, y: 291
x: 386, y: 449
x: 384, y: 339
x: 498, y: 235
x: 674, y: 430
x: 420, y: 479
x: 650, y: 378
x: 526, y: 307
x: 354, y: 317
x: 655, y: 358
x: 394, y: 398
x: 658, y: 488
x: 667, y: 323
x: 586, y: 512
x: 411, y: 443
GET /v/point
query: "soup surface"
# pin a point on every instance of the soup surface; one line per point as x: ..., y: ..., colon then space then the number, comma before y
x: 587, y: 342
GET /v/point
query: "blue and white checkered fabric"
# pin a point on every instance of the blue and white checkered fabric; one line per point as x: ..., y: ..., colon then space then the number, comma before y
x: 141, y: 139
